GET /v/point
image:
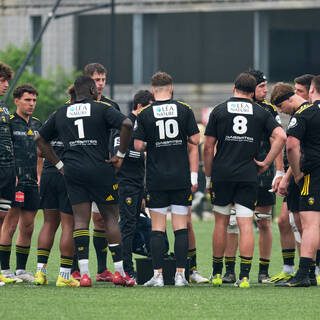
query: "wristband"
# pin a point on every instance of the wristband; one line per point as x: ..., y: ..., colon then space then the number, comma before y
x: 194, y: 178
x: 59, y: 165
x: 277, y: 175
x: 119, y: 154
x: 208, y: 182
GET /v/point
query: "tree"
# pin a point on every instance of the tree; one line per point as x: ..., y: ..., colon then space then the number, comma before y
x: 52, y: 89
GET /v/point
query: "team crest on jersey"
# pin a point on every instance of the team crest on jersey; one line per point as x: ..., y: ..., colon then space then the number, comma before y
x: 148, y: 197
x: 311, y: 201
x: 165, y: 111
x: 240, y: 107
x: 278, y: 119
x: 293, y: 122
x: 79, y: 110
x: 110, y: 198
x: 128, y: 201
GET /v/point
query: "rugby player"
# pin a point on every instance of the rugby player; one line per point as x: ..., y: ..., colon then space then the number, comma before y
x: 164, y: 129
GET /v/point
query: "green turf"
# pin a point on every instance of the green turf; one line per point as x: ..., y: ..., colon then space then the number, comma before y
x: 103, y: 301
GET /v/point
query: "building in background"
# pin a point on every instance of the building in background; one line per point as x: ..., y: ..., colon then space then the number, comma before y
x: 202, y: 44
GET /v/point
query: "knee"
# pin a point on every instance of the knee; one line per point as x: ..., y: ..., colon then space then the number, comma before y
x: 283, y: 223
x: 98, y: 221
x: 26, y: 228
x: 264, y: 225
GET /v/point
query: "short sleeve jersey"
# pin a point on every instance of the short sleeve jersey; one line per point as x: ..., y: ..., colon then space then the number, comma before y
x: 305, y: 126
x: 239, y: 125
x: 83, y: 127
x: 165, y: 126
x: 6, y: 146
x: 25, y: 150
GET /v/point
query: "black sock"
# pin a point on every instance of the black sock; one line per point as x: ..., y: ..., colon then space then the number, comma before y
x: 288, y: 256
x: 245, y: 266
x: 75, y: 264
x: 230, y: 263
x: 192, y: 254
x: 81, y: 242
x: 318, y: 258
x: 264, y: 266
x: 116, y: 252
x: 217, y: 265
x: 304, y: 267
x: 5, y: 252
x: 157, y: 245
x: 101, y: 246
x: 181, y: 245
x: 22, y: 254
x: 43, y: 255
x: 66, y: 262
x: 312, y: 270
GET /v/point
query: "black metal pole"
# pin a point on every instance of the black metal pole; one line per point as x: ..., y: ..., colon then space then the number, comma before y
x: 73, y: 13
x: 112, y: 54
x: 30, y: 53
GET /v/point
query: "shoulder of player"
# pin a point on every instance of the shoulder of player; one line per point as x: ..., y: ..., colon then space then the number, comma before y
x: 219, y: 106
x: 103, y: 103
x: 144, y: 108
x: 110, y: 102
x: 268, y: 105
x: 306, y: 109
x: 184, y: 104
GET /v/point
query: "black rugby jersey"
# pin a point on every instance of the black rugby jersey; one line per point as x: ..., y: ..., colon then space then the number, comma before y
x: 84, y: 127
x: 265, y: 179
x: 25, y: 150
x: 132, y: 170
x: 239, y: 125
x: 6, y: 146
x: 58, y: 148
x: 305, y: 126
x: 110, y: 101
x: 166, y: 126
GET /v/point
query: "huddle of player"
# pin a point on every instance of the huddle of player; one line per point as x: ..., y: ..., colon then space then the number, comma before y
x: 95, y: 167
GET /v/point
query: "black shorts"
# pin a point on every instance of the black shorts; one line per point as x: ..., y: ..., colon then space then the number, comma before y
x: 293, y: 196
x: 7, y: 183
x: 309, y: 188
x: 27, y: 198
x: 162, y: 199
x: 79, y: 193
x: 265, y: 198
x: 229, y: 192
x: 53, y: 193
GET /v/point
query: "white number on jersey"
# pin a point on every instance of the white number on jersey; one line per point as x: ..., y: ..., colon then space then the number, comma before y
x: 168, y: 128
x: 240, y: 124
x: 79, y: 124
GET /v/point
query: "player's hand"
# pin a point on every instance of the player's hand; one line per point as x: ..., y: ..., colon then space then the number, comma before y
x: 194, y: 188
x: 143, y: 204
x: 282, y: 189
x: 61, y: 171
x: 262, y: 166
x: 298, y: 177
x: 116, y: 162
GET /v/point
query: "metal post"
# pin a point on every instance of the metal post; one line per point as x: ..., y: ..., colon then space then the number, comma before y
x: 30, y: 53
x: 112, y: 54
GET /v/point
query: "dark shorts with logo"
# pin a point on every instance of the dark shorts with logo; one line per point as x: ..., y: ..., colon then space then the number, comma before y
x: 309, y: 188
x: 27, y: 198
x: 7, y: 183
x: 224, y: 193
x: 162, y: 199
x: 79, y: 193
x: 53, y: 193
x: 265, y: 198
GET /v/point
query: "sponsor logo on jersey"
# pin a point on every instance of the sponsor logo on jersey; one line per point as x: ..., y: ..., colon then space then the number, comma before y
x: 79, y: 110
x: 165, y: 111
x: 19, y: 133
x: 30, y: 133
x: 190, y: 198
x: 240, y: 107
x: 293, y: 122
x: 278, y: 119
x: 148, y: 197
x: 128, y: 201
x: 311, y: 201
x: 115, y: 186
x: 116, y: 141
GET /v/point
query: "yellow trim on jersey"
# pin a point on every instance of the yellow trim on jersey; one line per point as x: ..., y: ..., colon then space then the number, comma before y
x: 106, y: 103
x: 12, y: 116
x: 188, y: 105
x: 304, y: 108
x: 145, y: 107
x: 68, y: 101
x: 35, y: 118
x: 270, y: 104
x: 306, y: 183
x: 108, y: 99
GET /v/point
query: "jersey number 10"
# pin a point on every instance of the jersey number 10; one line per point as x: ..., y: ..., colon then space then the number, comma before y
x: 168, y: 128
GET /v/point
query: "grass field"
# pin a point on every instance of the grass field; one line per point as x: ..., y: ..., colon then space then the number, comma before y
x: 103, y: 301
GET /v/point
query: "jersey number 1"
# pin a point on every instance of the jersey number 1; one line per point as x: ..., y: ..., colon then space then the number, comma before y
x: 79, y: 124
x: 168, y: 128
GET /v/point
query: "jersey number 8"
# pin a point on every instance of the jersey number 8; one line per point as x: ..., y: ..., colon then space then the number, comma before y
x: 240, y: 124
x: 168, y: 128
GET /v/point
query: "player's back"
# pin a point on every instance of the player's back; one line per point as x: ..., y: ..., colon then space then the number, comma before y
x: 83, y: 127
x: 238, y: 124
x: 166, y: 126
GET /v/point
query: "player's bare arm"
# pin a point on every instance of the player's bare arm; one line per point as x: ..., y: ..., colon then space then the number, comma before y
x: 294, y: 157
